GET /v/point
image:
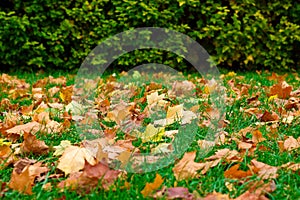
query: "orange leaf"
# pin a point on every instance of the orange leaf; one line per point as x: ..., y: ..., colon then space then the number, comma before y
x: 235, y: 173
x: 22, y: 182
x: 282, y: 90
x: 151, y: 187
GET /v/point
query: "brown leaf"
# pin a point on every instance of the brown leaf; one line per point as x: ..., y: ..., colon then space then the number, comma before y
x: 257, y: 136
x: 31, y: 127
x: 186, y: 168
x: 282, y: 90
x: 216, y: 196
x: 22, y: 182
x: 152, y: 187
x: 269, y: 116
x: 292, y: 166
x: 264, y: 171
x: 291, y: 143
x: 244, y: 145
x: 66, y: 94
x: 174, y: 193
x: 235, y: 173
x: 258, y: 190
x: 226, y: 154
x: 89, y: 178
x: 33, y: 145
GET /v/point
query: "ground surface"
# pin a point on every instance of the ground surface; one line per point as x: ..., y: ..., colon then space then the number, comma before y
x: 254, y: 153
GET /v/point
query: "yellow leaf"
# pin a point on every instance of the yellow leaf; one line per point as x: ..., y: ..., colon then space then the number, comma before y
x: 73, y: 159
x: 59, y: 150
x: 271, y: 98
x: 152, y: 134
x: 174, y: 113
x: 3, y: 143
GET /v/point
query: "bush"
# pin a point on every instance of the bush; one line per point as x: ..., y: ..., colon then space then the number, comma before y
x: 247, y: 34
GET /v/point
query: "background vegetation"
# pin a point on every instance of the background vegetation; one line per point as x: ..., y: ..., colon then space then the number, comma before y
x: 245, y: 34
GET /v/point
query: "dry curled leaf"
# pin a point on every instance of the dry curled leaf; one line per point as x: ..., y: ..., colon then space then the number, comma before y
x: 33, y: 145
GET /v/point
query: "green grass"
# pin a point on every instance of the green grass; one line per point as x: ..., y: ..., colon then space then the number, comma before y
x: 287, y: 183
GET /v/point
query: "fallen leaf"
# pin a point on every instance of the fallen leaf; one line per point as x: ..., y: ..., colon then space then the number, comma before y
x: 258, y: 190
x: 89, y: 178
x: 33, y: 145
x: 151, y: 134
x: 66, y: 94
x: 292, y: 166
x: 264, y: 171
x: 235, y: 173
x: 73, y: 159
x: 174, y: 113
x: 162, y: 148
x: 174, y: 193
x: 154, y: 98
x: 187, y: 168
x: 59, y: 150
x: 291, y: 143
x: 152, y: 187
x: 31, y: 127
x: 216, y: 196
x: 226, y: 154
x: 282, y: 90
x: 244, y: 145
x: 269, y: 116
x: 22, y: 182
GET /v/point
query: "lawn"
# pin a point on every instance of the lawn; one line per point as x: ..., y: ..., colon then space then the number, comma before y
x: 254, y: 152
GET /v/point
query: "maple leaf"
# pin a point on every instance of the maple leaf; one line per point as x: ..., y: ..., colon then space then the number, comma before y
x: 154, y: 98
x: 73, y: 159
x: 21, y: 182
x: 151, y: 187
x: 282, y: 90
x: 236, y: 173
x: 24, y: 174
x: 183, y: 88
x: 187, y: 168
x: 162, y: 148
x: 31, y: 144
x: 66, y: 94
x: 6, y: 156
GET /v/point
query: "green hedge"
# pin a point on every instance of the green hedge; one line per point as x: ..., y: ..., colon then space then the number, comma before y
x: 247, y: 34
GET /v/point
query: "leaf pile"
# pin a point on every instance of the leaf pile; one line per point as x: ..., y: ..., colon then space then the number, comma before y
x: 40, y: 147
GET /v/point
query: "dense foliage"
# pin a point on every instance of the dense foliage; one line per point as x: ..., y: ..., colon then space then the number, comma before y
x: 248, y: 34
